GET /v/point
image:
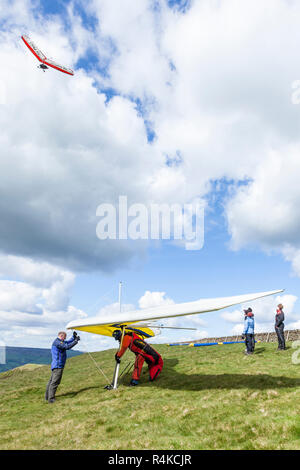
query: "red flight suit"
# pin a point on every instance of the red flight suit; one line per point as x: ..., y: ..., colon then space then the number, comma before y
x: 143, y: 352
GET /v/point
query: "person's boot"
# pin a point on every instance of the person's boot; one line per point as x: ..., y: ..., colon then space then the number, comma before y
x: 52, y: 400
x: 133, y: 383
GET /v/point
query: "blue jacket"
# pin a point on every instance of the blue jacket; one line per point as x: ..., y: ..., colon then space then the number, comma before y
x: 59, y: 352
x: 249, y: 326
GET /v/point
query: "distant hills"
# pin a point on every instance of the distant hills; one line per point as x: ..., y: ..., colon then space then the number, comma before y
x: 17, y: 356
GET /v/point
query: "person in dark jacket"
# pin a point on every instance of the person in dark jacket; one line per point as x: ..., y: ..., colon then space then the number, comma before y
x: 248, y: 333
x: 279, y: 327
x: 59, y: 356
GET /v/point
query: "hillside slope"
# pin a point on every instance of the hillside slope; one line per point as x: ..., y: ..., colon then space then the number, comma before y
x: 18, y: 356
x: 206, y: 398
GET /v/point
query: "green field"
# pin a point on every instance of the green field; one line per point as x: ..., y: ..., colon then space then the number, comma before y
x: 206, y: 398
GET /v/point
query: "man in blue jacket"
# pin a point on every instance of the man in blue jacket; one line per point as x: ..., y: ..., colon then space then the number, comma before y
x: 249, y: 331
x: 59, y: 357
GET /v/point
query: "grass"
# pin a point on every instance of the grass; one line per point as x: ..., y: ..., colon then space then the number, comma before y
x: 206, y: 398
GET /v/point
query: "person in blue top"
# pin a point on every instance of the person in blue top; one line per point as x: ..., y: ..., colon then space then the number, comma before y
x: 59, y: 356
x: 248, y: 333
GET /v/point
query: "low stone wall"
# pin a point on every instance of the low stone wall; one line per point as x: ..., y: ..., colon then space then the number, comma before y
x: 290, y: 335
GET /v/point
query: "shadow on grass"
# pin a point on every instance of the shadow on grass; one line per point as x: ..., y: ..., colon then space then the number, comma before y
x: 173, y: 380
x: 259, y: 350
x: 75, y: 393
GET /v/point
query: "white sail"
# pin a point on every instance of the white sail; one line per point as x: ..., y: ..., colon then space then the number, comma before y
x: 106, y: 325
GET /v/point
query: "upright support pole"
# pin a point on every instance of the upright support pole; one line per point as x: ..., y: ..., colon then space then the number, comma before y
x: 114, y: 384
x: 115, y: 377
x: 120, y: 296
x: 288, y: 334
x: 116, y: 373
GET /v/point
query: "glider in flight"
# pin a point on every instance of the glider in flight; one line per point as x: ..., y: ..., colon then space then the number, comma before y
x: 45, y: 62
x: 143, y: 322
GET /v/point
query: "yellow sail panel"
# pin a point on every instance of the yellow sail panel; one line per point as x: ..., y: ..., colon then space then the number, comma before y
x: 107, y: 330
x: 104, y: 330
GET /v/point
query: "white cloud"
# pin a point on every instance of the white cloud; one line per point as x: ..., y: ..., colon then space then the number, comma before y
x: 40, y: 274
x: 266, y: 211
x: 154, y: 299
x: 114, y: 308
x: 19, y: 327
x: 47, y: 286
x: 57, y: 296
x: 233, y: 317
x: 237, y: 329
x: 19, y: 296
x: 294, y: 325
x: 34, y: 311
x: 292, y: 254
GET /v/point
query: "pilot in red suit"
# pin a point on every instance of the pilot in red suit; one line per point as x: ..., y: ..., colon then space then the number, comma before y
x: 143, y: 352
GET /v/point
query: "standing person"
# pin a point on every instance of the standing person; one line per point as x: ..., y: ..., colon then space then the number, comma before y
x: 59, y: 357
x: 279, y: 327
x: 243, y: 336
x: 143, y: 352
x: 248, y: 333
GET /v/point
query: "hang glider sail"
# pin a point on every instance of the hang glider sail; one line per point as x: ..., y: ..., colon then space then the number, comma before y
x: 45, y: 62
x: 142, y: 321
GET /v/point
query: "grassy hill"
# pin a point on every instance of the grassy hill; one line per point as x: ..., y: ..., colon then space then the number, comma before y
x: 206, y: 398
x: 18, y: 356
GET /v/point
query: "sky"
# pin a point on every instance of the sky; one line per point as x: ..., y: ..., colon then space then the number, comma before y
x: 171, y: 102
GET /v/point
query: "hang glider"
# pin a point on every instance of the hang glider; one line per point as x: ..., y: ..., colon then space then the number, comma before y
x: 143, y: 321
x: 45, y: 62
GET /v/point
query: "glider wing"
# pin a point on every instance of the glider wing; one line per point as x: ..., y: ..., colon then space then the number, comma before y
x: 130, y: 320
x: 61, y: 68
x: 33, y: 48
x: 42, y: 58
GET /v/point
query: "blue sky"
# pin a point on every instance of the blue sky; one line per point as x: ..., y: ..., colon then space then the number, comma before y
x: 188, y: 275
x: 165, y: 107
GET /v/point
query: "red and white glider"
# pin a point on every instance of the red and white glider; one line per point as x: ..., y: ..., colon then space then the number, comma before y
x: 45, y: 63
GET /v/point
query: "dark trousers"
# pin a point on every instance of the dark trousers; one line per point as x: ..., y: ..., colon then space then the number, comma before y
x: 253, y: 343
x: 280, y: 336
x: 55, y: 379
x: 249, y: 341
